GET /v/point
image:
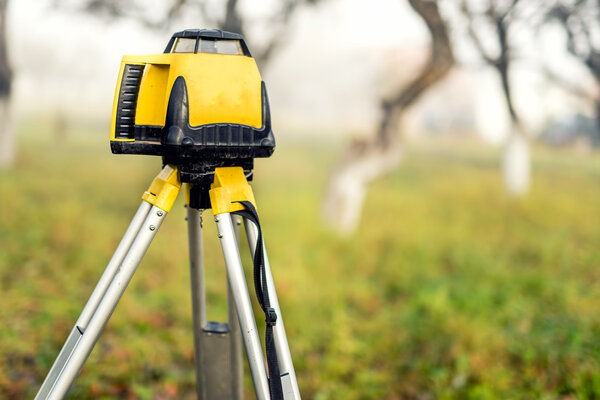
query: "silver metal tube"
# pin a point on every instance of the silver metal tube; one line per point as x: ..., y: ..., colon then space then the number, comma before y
x: 237, y: 281
x: 237, y: 363
x: 96, y: 296
x: 89, y: 336
x: 194, y: 220
x: 113, y: 264
x: 284, y: 355
x: 235, y: 337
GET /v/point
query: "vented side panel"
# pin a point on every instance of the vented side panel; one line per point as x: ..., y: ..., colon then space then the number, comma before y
x: 130, y: 86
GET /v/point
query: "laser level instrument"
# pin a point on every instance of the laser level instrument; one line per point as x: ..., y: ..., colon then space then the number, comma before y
x: 202, y: 107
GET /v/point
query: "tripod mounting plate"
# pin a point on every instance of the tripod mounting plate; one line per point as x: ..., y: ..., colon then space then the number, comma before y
x: 202, y: 172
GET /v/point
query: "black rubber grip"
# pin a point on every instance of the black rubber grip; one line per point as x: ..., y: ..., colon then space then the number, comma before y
x: 128, y: 93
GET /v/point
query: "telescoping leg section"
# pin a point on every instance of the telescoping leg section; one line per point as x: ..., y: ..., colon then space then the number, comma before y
x: 216, y: 345
x: 157, y: 201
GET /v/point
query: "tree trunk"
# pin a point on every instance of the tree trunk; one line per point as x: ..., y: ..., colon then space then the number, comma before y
x: 361, y: 164
x: 7, y: 147
x: 595, y: 139
x: 516, y: 164
x: 232, y: 21
x: 367, y: 160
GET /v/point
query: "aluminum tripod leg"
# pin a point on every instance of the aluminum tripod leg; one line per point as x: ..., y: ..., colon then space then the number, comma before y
x: 83, y: 338
x: 219, y: 372
x: 237, y: 365
x: 286, y: 367
x: 95, y: 298
x: 237, y: 282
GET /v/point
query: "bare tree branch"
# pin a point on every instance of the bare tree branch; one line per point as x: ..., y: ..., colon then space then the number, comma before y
x: 279, y: 32
x: 116, y: 9
x: 509, y: 10
x: 440, y: 61
x: 498, y: 20
x: 580, y: 22
x: 231, y: 20
x: 567, y: 85
x: 366, y: 160
x: 483, y: 53
x: 174, y: 10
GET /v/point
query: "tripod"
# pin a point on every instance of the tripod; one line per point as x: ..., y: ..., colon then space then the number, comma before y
x: 217, y: 345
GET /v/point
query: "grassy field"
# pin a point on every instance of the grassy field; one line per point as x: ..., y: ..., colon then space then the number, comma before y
x: 449, y: 290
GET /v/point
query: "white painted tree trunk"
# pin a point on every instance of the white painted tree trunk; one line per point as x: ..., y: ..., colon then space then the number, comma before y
x: 516, y: 165
x: 7, y: 144
x: 348, y: 185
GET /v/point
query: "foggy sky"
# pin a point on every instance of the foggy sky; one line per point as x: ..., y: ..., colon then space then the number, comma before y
x: 340, y: 58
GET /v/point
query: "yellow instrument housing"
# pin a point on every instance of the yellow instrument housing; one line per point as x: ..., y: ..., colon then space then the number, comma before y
x: 199, y: 105
x: 221, y: 88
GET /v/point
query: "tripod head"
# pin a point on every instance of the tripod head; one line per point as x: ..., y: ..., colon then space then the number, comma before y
x: 199, y: 105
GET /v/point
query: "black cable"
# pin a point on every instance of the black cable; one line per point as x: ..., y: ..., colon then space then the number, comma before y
x: 262, y: 293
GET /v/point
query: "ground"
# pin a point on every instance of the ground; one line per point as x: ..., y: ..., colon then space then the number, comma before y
x: 449, y: 289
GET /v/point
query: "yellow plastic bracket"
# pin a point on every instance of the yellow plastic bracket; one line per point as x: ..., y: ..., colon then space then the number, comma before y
x: 230, y: 185
x: 164, y: 188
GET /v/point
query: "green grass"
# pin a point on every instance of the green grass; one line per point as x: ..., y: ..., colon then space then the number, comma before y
x: 449, y: 289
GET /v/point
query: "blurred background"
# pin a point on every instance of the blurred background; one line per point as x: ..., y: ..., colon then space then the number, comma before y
x: 431, y: 210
